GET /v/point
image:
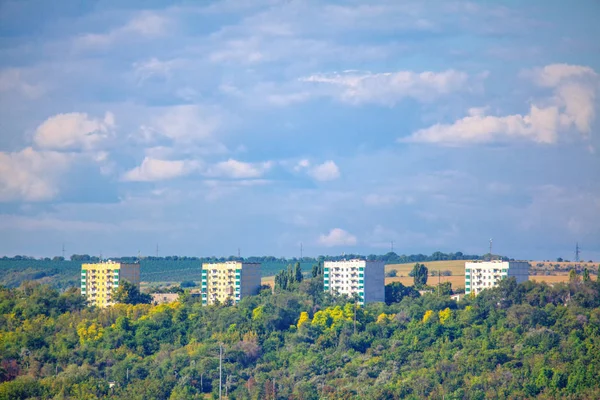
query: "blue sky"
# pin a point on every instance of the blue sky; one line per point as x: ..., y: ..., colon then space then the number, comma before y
x: 344, y: 125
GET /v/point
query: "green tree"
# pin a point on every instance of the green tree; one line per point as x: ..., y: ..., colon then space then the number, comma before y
x: 586, y: 275
x: 128, y: 293
x: 317, y: 269
x: 298, y: 273
x: 396, y: 291
x: 420, y: 274
x: 573, y: 276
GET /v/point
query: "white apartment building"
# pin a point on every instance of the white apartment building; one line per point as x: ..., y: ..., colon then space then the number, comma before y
x: 363, y: 278
x: 481, y: 275
x: 231, y: 280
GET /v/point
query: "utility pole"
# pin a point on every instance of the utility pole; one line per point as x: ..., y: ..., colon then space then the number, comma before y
x: 577, y: 252
x: 220, y: 368
x: 63, y: 251
x: 355, y: 301
x: 392, y: 248
x: 239, y: 252
x: 156, y: 250
x: 439, y: 281
x: 300, y: 251
x: 491, y: 257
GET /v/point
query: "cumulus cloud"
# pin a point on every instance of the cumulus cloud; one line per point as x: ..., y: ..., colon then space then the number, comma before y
x: 540, y: 125
x: 239, y: 170
x: 153, y: 169
x: 390, y: 87
x: 571, y: 106
x: 74, y: 131
x: 556, y: 74
x: 337, y: 237
x: 30, y: 175
x: 327, y: 171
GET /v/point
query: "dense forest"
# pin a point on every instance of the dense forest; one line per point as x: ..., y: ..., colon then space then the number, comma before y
x: 63, y: 273
x: 514, y: 341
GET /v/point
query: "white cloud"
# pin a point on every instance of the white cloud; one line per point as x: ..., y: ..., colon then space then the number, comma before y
x: 74, y: 131
x: 184, y: 124
x: 578, y: 101
x: 390, y: 87
x: 145, y: 70
x: 555, y: 74
x: 30, y: 175
x: 12, y: 79
x: 239, y: 170
x: 337, y: 237
x: 153, y: 169
x: 302, y: 164
x: 571, y: 106
x: 539, y: 125
x: 327, y: 171
x: 145, y: 24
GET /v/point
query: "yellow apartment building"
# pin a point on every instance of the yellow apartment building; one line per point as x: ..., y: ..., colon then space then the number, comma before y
x: 231, y: 280
x: 98, y: 280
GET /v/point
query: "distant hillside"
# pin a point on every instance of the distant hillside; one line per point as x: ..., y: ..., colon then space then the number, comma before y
x: 64, y: 274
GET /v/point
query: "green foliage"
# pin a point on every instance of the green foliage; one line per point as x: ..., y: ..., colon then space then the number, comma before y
x: 396, y: 291
x: 391, y: 273
x: 288, y: 279
x: 317, y: 270
x: 586, y: 275
x: 420, y: 274
x: 128, y: 293
x: 514, y: 341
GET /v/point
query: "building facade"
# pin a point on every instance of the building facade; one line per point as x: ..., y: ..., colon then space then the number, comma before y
x: 230, y: 280
x: 100, y: 279
x: 481, y: 275
x: 365, y: 279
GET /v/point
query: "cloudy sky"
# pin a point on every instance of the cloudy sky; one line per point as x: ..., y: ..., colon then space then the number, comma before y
x: 344, y: 125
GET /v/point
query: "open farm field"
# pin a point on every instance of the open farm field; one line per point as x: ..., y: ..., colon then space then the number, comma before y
x: 455, y: 281
x: 554, y: 278
x: 268, y: 280
x: 457, y: 267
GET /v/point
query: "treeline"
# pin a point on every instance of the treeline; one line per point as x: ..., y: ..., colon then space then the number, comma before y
x: 515, y: 341
x: 390, y: 258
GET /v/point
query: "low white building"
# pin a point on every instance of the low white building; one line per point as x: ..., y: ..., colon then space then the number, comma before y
x: 481, y: 275
x: 366, y: 279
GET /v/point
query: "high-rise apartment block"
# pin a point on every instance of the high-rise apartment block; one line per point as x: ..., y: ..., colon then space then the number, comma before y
x: 230, y: 280
x: 98, y: 280
x: 481, y: 275
x: 365, y: 279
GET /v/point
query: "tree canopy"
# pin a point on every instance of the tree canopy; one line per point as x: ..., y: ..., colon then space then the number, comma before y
x: 128, y: 293
x: 528, y: 340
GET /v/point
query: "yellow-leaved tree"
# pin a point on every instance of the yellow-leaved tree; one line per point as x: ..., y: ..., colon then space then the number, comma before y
x: 445, y: 315
x: 427, y: 315
x: 303, y: 319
